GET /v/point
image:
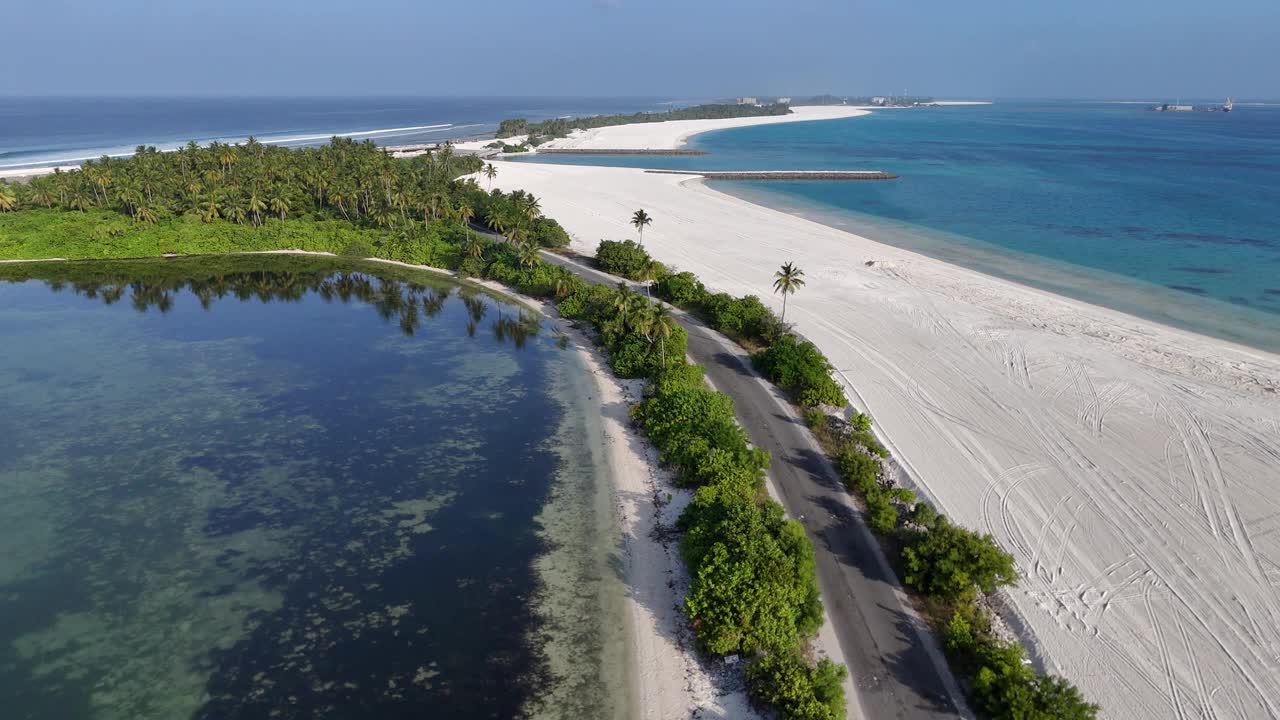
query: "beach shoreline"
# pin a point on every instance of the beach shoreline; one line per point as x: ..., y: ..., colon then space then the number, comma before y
x: 1098, y: 447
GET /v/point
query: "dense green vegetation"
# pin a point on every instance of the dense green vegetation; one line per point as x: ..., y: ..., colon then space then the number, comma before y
x: 517, y: 215
x: 560, y: 127
x: 745, y: 319
x: 347, y: 198
x: 950, y: 566
x: 754, y: 589
x: 251, y: 183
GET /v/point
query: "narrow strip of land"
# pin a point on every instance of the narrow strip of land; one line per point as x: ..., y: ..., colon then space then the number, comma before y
x: 896, y: 668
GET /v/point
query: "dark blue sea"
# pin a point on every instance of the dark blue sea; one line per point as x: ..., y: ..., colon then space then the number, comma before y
x: 38, y: 132
x: 1174, y: 217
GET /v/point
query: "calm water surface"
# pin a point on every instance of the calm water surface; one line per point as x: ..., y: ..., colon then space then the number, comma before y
x: 253, y: 489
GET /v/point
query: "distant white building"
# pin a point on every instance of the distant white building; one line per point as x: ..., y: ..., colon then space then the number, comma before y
x: 746, y: 101
x: 784, y: 101
x: 879, y: 101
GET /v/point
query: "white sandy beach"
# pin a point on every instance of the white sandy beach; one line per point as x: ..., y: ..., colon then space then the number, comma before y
x: 674, y: 133
x: 1130, y: 467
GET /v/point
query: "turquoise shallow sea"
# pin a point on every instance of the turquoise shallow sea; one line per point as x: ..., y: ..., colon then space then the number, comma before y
x: 1173, y: 217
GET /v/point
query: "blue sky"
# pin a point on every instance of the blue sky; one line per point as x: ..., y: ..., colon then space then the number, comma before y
x: 670, y: 48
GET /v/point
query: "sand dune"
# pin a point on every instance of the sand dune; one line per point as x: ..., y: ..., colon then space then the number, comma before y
x: 1131, y: 468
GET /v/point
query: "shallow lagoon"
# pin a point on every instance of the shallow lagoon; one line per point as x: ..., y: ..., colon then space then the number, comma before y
x: 288, y: 487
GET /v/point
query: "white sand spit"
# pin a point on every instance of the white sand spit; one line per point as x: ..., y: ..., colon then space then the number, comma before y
x: 1131, y: 468
x: 674, y: 133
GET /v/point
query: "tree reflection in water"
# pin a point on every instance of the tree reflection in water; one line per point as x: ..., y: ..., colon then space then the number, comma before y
x: 405, y: 303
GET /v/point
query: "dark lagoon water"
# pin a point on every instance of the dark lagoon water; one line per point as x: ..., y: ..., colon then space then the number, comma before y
x: 1171, y: 216
x: 285, y: 487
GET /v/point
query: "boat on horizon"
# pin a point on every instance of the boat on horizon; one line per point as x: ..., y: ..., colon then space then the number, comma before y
x: 1179, y: 107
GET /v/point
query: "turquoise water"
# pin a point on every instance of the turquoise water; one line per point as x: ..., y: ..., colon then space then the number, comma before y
x: 1169, y: 216
x: 262, y: 488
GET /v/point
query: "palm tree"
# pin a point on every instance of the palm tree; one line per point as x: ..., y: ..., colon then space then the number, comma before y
x: 234, y: 212
x: 256, y: 207
x: 529, y: 207
x: 490, y: 172
x: 640, y: 220
x: 529, y: 256
x: 280, y: 206
x: 662, y: 325
x: 465, y: 213
x: 8, y: 199
x: 623, y: 301
x: 473, y: 247
x: 41, y: 195
x: 211, y: 210
x: 80, y: 200
x: 787, y: 280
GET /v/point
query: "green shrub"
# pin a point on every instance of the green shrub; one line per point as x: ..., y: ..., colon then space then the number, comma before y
x: 677, y: 414
x: 883, y: 515
x: 634, y: 357
x: 585, y: 302
x: 799, y: 367
x: 624, y: 259
x: 859, y: 471
x: 864, y: 439
x: 1003, y: 687
x: 796, y: 690
x: 683, y: 289
x: 950, y: 562
x: 676, y: 377
x: 923, y: 516
x: 753, y: 587
x: 745, y: 317
x: 549, y: 233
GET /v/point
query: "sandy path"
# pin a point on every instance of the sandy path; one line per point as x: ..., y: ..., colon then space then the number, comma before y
x: 1131, y: 468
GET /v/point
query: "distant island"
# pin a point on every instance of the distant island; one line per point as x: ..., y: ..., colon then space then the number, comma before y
x: 868, y: 100
x: 541, y: 132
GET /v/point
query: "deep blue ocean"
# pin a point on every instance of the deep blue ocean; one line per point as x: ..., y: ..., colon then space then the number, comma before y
x: 1174, y: 217
x: 37, y: 132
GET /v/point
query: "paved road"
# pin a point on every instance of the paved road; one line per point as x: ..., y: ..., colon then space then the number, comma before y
x: 895, y: 667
